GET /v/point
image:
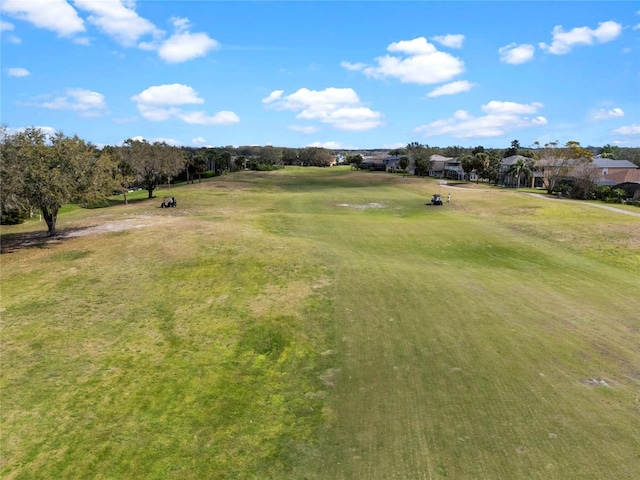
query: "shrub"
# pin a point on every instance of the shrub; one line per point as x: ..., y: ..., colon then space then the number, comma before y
x: 13, y: 216
x: 601, y: 192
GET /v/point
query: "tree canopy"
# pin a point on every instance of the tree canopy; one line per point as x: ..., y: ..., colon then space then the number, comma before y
x: 558, y: 161
x: 152, y: 162
x: 47, y: 172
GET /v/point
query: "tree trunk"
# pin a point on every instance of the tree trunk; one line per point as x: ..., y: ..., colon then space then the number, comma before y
x: 125, y: 198
x: 50, y: 216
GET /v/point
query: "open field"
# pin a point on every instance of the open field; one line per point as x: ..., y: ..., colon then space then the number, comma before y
x: 323, y: 323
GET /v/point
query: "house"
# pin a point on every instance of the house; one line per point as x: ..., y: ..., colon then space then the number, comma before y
x: 627, y: 180
x: 608, y: 167
x: 376, y: 162
x: 437, y: 165
x: 509, y: 180
x: 453, y: 170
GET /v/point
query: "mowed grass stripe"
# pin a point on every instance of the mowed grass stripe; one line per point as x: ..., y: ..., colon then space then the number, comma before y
x: 521, y: 328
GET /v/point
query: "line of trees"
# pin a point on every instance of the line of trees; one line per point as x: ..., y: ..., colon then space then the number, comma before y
x: 43, y: 172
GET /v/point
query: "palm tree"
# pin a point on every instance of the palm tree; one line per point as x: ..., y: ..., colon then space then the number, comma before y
x: 519, y: 168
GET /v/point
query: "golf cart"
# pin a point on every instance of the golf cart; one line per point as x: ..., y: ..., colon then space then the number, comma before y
x: 169, y: 202
x: 436, y: 199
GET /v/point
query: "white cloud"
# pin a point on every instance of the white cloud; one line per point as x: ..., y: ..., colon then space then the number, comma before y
x: 628, y: 130
x: 417, y: 61
x: 510, y: 108
x: 354, y: 67
x: 201, y: 118
x: 180, y: 24
x: 339, y: 107
x: 18, y: 72
x: 46, y: 130
x: 273, y: 96
x: 500, y: 118
x: 55, y: 15
x: 451, y: 88
x: 604, y: 114
x: 116, y: 18
x: 168, y: 141
x: 173, y: 94
x: 451, y: 41
x: 84, y: 41
x: 9, y: 27
x: 199, y: 141
x: 164, y: 102
x: 516, y: 54
x: 6, y: 26
x: 86, y: 102
x: 328, y: 145
x: 183, y: 45
x: 119, y: 20
x: 308, y: 129
x: 157, y: 114
x: 563, y: 42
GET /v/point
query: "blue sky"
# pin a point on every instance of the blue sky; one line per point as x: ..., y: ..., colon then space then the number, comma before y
x: 335, y: 74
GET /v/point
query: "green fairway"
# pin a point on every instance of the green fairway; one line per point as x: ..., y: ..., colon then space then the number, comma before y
x: 323, y: 323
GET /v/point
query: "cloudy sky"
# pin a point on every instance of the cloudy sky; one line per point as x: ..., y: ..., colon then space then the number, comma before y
x: 338, y: 74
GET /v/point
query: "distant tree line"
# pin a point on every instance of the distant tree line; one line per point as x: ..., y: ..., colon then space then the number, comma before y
x: 40, y: 172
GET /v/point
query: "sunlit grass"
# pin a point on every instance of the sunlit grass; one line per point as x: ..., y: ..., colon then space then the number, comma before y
x: 324, y: 323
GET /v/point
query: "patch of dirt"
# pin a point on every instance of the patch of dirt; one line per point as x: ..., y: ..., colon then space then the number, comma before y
x: 362, y: 206
x: 285, y: 300
x: 328, y: 377
x: 325, y: 282
x: 39, y: 239
x: 596, y: 382
x: 118, y: 226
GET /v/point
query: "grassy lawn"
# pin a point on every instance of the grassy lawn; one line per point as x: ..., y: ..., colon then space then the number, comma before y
x: 323, y: 323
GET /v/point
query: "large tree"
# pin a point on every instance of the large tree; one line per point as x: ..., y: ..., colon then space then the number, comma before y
x: 355, y: 160
x: 152, y: 162
x: 467, y: 163
x: 13, y: 205
x: 513, y: 150
x: 610, y: 151
x: 519, y: 169
x: 557, y: 162
x: 404, y: 164
x: 50, y: 171
x: 421, y: 156
x: 481, y: 161
x: 315, y: 157
x: 492, y: 172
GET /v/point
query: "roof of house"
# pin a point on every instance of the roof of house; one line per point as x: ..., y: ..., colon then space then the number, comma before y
x: 507, y: 161
x: 440, y: 158
x: 633, y: 185
x: 622, y: 176
x: 611, y: 163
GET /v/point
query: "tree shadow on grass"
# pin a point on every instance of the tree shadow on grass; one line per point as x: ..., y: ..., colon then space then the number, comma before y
x: 115, y: 202
x: 14, y: 242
